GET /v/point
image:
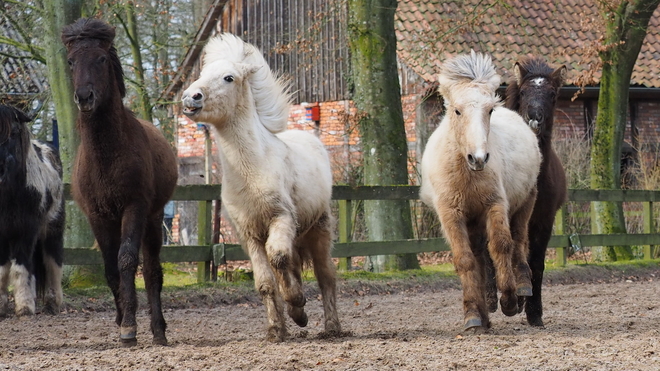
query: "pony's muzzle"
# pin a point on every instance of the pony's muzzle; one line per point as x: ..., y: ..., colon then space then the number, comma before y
x: 84, y: 99
x: 192, y: 103
x: 477, y: 162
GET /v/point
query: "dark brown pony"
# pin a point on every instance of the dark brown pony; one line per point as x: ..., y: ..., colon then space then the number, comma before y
x: 125, y: 172
x: 533, y: 94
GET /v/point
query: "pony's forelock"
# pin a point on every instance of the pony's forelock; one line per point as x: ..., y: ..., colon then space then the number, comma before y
x: 95, y: 33
x: 8, y: 115
x: 475, y: 68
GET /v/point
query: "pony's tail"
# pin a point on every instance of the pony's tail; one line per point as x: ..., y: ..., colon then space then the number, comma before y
x: 272, y: 95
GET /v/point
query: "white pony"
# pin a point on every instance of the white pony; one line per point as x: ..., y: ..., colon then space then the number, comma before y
x: 479, y: 172
x: 276, y: 184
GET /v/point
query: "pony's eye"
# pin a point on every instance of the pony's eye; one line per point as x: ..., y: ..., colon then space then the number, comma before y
x: 457, y: 112
x: 229, y: 78
x: 70, y: 62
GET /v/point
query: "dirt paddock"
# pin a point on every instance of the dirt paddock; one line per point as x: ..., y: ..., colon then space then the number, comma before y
x: 594, y: 321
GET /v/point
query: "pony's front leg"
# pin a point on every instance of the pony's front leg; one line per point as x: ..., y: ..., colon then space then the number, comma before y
x: 474, y: 304
x: 132, y: 230
x: 287, y: 265
x: 22, y: 276
x: 519, y: 234
x: 502, y: 249
x: 264, y: 282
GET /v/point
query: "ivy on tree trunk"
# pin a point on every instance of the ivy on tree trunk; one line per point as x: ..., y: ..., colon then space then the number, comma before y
x: 626, y: 23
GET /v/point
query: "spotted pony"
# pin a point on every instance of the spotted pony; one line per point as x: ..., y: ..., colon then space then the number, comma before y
x: 31, y: 218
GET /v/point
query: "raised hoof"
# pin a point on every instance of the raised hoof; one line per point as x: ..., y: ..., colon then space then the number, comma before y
x: 524, y: 291
x: 301, y: 320
x: 509, y: 305
x: 471, y: 323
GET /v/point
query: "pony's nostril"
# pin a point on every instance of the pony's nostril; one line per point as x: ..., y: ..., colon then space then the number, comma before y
x: 470, y: 159
x: 487, y: 157
x: 197, y: 96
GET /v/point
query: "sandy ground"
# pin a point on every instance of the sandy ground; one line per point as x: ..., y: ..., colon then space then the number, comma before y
x: 601, y: 323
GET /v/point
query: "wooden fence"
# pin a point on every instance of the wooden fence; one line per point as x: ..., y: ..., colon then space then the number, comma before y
x: 208, y: 254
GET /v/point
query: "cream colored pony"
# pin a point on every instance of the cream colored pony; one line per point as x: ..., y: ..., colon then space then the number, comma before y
x: 479, y: 172
x: 276, y: 184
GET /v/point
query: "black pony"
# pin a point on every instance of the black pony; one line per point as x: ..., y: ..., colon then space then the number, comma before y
x: 533, y: 94
x: 124, y: 174
x: 31, y: 217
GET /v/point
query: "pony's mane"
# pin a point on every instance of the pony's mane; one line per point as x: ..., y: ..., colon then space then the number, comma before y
x: 476, y: 68
x: 95, y: 33
x: 271, y: 94
x: 8, y: 115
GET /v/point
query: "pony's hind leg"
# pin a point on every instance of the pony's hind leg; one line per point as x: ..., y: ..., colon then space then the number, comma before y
x: 319, y: 241
x: 153, y: 278
x: 53, y: 250
x: 4, y: 288
x: 519, y: 234
x: 266, y: 285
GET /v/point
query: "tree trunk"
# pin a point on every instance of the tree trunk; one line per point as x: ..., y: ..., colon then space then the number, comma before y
x: 144, y: 105
x: 59, y: 13
x: 377, y: 97
x: 625, y: 31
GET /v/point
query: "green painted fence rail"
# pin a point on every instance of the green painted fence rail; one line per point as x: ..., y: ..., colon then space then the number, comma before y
x: 208, y: 254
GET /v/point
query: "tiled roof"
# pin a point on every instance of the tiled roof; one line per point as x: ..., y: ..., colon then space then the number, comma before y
x: 559, y: 30
x: 20, y: 78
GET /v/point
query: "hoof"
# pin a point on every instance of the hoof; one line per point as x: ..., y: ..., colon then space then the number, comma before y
x: 332, y: 327
x: 524, y: 290
x: 472, y: 322
x: 276, y: 335
x: 535, y: 321
x: 24, y: 312
x: 128, y: 335
x: 298, y: 315
x: 160, y: 341
x: 51, y: 309
x: 509, y: 305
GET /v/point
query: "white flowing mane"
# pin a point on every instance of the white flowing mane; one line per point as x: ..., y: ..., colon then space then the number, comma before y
x: 475, y: 68
x: 272, y: 97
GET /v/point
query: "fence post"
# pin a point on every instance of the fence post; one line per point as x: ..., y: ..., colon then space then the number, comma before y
x: 345, y: 228
x: 204, y: 234
x: 560, y: 223
x: 649, y: 227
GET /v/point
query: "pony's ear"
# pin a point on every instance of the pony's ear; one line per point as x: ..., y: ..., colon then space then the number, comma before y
x: 559, y: 76
x: 519, y: 72
x: 443, y: 85
x: 249, y: 69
